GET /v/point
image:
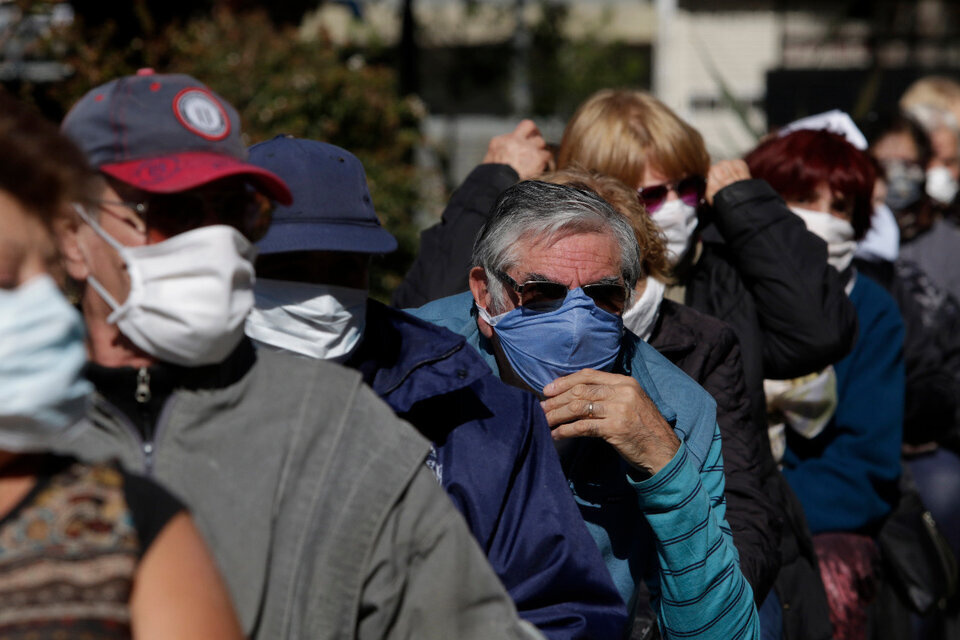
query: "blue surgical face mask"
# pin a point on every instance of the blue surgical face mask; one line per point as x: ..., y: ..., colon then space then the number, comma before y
x: 42, y: 393
x: 544, y: 346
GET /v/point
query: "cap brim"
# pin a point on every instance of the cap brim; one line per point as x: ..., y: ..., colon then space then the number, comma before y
x: 182, y: 171
x: 285, y: 237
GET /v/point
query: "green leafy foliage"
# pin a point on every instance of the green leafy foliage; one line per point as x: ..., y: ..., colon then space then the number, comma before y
x: 566, y: 71
x: 281, y: 84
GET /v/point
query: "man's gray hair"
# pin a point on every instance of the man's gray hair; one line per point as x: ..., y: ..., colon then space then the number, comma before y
x: 540, y: 211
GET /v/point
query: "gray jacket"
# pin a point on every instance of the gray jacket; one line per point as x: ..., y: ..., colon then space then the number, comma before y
x: 316, y: 504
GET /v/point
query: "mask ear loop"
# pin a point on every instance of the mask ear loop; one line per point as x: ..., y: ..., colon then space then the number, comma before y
x: 119, y: 248
x: 490, y: 320
x: 97, y: 228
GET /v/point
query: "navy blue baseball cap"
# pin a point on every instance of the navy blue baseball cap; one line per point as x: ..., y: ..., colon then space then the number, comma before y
x: 163, y: 134
x: 332, y: 209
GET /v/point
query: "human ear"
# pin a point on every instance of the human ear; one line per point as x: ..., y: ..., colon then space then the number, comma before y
x: 481, y: 296
x: 66, y: 230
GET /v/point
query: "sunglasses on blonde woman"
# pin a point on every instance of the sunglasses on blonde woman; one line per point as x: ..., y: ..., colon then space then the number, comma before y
x: 690, y: 190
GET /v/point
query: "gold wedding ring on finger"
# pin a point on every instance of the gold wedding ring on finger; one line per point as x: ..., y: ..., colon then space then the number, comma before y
x: 590, y: 410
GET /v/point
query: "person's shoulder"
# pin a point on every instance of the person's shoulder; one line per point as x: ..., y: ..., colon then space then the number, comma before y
x: 715, y: 275
x: 294, y: 388
x: 939, y: 240
x: 878, y: 314
x: 491, y: 175
x: 495, y: 411
x: 701, y: 325
x: 872, y: 300
x: 411, y: 325
x: 329, y: 404
x: 669, y: 379
x: 679, y: 390
x: 947, y: 232
x: 507, y: 409
x: 678, y: 396
x: 457, y: 306
x: 513, y: 412
x: 744, y: 189
x: 294, y: 373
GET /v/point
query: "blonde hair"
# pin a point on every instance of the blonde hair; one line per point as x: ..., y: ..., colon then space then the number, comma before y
x: 619, y: 132
x: 653, y: 248
x: 934, y: 101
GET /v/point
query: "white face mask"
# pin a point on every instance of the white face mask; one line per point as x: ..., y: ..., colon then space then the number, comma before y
x: 837, y: 233
x: 316, y: 320
x: 677, y: 220
x: 640, y: 318
x: 189, y: 295
x: 941, y: 185
x: 42, y: 393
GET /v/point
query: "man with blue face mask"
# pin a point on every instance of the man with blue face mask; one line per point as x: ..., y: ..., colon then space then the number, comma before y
x: 311, y: 494
x: 492, y: 451
x: 554, y: 268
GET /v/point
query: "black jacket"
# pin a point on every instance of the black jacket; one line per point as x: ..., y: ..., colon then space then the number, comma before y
x: 931, y: 351
x: 442, y: 264
x: 764, y: 274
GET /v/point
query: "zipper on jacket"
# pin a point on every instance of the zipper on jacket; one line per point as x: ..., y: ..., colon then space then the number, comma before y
x: 142, y: 396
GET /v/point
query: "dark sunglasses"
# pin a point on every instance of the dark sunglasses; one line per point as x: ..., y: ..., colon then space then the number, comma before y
x: 690, y: 190
x: 249, y: 211
x: 543, y: 295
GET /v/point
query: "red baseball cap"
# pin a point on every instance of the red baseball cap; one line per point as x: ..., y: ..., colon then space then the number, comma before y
x: 163, y: 134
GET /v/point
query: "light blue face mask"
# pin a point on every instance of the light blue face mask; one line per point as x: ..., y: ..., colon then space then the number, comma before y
x: 544, y: 346
x: 42, y: 394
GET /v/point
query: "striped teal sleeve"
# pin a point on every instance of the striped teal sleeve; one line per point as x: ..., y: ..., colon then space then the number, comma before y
x: 701, y: 591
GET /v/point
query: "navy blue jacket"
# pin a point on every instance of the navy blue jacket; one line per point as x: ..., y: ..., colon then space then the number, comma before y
x: 497, y: 462
x: 846, y: 477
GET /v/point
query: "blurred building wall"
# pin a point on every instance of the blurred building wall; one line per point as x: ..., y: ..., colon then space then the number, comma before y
x: 711, y: 58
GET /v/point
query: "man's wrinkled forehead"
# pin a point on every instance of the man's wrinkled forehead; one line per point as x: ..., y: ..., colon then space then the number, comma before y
x: 552, y: 255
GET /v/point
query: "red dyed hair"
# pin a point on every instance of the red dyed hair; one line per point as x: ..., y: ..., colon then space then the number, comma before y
x: 795, y: 164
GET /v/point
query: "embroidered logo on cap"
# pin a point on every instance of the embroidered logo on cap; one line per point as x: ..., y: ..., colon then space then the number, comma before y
x: 201, y: 114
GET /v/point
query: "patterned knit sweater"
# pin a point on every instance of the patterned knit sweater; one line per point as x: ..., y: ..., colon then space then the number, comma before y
x: 69, y: 550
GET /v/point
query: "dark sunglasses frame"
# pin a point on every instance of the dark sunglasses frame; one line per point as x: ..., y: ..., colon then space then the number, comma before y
x: 609, y: 297
x: 690, y: 189
x: 185, y: 211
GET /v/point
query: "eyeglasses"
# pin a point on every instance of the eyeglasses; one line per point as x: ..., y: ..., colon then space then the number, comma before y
x: 543, y: 295
x: 691, y: 190
x: 248, y: 211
